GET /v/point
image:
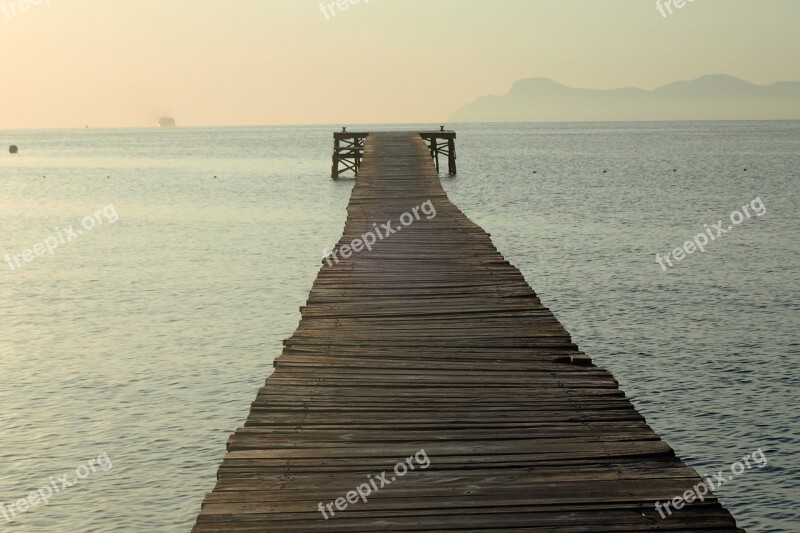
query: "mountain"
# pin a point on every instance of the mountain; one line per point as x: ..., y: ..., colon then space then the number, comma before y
x: 718, y: 97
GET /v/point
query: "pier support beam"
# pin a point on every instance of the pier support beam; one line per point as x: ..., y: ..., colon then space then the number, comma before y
x: 442, y: 142
x: 348, y: 151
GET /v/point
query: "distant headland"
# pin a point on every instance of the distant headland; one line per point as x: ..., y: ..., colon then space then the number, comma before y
x: 716, y: 97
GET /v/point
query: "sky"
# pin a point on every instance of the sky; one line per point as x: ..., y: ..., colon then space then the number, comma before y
x: 124, y: 63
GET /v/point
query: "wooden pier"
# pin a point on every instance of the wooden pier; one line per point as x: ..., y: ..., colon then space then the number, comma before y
x: 432, y: 340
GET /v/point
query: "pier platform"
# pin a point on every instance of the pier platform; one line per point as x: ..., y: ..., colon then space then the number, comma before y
x: 429, y: 340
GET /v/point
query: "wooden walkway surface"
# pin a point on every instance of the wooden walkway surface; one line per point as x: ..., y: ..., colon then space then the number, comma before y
x: 433, y: 341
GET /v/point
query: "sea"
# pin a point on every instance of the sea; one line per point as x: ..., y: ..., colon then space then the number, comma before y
x: 149, y: 276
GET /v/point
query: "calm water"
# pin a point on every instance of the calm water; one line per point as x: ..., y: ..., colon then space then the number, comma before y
x: 147, y: 338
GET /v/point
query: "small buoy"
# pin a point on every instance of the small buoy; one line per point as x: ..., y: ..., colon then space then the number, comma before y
x: 674, y: 169
x: 534, y: 172
x: 745, y: 170
x: 605, y: 171
x: 215, y: 177
x: 13, y: 149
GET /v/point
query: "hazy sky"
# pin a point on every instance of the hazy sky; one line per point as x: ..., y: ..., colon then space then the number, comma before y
x: 67, y: 63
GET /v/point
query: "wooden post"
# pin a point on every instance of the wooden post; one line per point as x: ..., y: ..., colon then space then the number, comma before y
x: 358, y: 143
x: 442, y: 142
x: 348, y: 152
x: 335, y: 165
x: 451, y: 156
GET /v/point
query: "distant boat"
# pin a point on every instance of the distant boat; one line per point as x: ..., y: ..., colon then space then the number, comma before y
x: 166, y: 122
